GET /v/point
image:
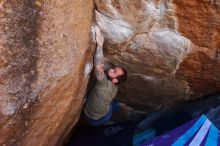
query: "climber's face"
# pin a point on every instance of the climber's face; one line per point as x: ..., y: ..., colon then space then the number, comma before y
x: 114, y: 73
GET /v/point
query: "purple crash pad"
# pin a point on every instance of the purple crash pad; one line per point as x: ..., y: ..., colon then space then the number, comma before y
x: 197, y: 132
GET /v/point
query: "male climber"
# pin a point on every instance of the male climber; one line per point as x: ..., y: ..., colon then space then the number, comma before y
x: 99, y: 104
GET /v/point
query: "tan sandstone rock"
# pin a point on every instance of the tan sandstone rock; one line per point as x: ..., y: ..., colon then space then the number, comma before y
x: 45, y: 59
x: 170, y: 48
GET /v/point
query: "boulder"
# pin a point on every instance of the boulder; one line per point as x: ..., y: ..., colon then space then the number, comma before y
x: 46, y: 57
x: 170, y: 48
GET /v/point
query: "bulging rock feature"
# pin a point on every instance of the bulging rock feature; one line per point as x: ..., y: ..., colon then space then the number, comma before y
x: 118, y: 30
x: 165, y: 48
x: 44, y: 47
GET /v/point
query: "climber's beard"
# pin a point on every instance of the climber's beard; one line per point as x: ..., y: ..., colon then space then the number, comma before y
x: 107, y: 74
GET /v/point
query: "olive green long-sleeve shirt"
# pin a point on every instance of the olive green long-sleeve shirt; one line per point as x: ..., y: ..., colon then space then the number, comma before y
x: 99, y: 100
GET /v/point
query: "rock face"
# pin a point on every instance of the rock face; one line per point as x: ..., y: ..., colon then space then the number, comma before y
x: 170, y: 48
x: 45, y: 59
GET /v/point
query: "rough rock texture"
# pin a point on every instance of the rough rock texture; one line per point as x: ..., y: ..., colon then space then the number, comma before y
x: 170, y: 48
x: 45, y: 59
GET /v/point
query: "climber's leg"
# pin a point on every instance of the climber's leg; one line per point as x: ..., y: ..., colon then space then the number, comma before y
x: 115, y: 106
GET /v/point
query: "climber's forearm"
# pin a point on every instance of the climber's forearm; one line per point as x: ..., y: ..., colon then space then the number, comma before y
x: 99, y: 57
x: 99, y: 72
x: 99, y: 63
